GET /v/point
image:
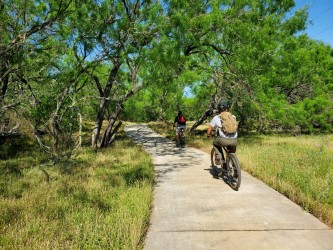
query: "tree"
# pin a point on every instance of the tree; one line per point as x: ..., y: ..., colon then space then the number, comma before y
x: 28, y: 39
x: 302, y: 77
x: 237, y: 43
x: 111, y: 42
x: 66, y: 59
x: 38, y: 80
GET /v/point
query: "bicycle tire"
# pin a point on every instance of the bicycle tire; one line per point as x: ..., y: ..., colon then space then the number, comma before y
x: 234, y: 172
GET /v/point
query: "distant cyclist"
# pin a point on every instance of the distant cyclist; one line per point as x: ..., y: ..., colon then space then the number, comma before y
x: 180, y: 123
x: 226, y: 126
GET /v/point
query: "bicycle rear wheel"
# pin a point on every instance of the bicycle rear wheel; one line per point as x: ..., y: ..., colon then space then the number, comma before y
x: 234, y: 172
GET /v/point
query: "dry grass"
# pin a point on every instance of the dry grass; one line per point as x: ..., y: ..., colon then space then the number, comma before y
x: 100, y: 201
x: 299, y: 167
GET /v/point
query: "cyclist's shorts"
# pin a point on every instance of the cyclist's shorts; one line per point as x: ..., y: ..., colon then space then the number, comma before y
x: 223, y: 142
x: 179, y: 127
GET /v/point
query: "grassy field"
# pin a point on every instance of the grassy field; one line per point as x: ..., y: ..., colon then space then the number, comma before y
x: 102, y: 200
x: 98, y: 201
x: 300, y: 167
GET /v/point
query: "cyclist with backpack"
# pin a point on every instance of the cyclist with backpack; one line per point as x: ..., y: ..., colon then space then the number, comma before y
x: 180, y: 123
x: 226, y: 128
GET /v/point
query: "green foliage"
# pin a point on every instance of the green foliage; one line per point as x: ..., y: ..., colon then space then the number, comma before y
x: 247, y: 52
x: 61, y: 59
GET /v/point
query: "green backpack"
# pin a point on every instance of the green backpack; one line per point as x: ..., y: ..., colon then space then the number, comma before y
x: 229, y: 123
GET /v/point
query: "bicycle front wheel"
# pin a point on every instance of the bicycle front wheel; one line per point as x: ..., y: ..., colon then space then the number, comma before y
x: 182, y: 139
x: 234, y: 172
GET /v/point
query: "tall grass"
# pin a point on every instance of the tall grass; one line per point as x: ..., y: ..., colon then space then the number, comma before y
x: 300, y: 167
x: 99, y: 201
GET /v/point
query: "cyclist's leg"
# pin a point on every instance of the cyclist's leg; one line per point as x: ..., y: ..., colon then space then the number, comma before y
x: 229, y: 143
x: 218, y: 150
x: 177, y: 135
x: 182, y: 135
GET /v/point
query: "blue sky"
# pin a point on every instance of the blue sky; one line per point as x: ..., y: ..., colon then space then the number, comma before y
x: 321, y: 17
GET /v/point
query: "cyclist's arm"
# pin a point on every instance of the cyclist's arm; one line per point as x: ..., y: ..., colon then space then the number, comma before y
x: 211, y: 126
x: 209, y: 130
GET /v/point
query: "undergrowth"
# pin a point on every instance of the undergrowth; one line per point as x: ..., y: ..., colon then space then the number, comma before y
x: 100, y: 200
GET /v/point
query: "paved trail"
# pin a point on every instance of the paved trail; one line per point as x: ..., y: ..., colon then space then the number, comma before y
x: 193, y: 210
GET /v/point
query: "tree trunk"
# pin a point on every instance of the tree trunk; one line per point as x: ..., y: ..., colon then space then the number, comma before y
x: 4, y: 79
x: 108, y: 133
x: 102, y: 105
x: 98, y: 123
x: 108, y: 136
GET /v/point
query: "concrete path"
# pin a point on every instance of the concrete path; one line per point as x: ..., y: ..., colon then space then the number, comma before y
x: 194, y: 210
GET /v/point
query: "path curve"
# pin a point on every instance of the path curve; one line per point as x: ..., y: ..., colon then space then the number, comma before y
x: 193, y: 210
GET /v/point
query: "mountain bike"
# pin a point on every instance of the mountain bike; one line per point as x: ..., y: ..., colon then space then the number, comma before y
x: 229, y: 169
x: 181, y: 135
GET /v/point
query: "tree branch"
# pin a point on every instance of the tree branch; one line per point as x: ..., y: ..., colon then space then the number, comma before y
x: 208, y: 112
x: 127, y: 10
